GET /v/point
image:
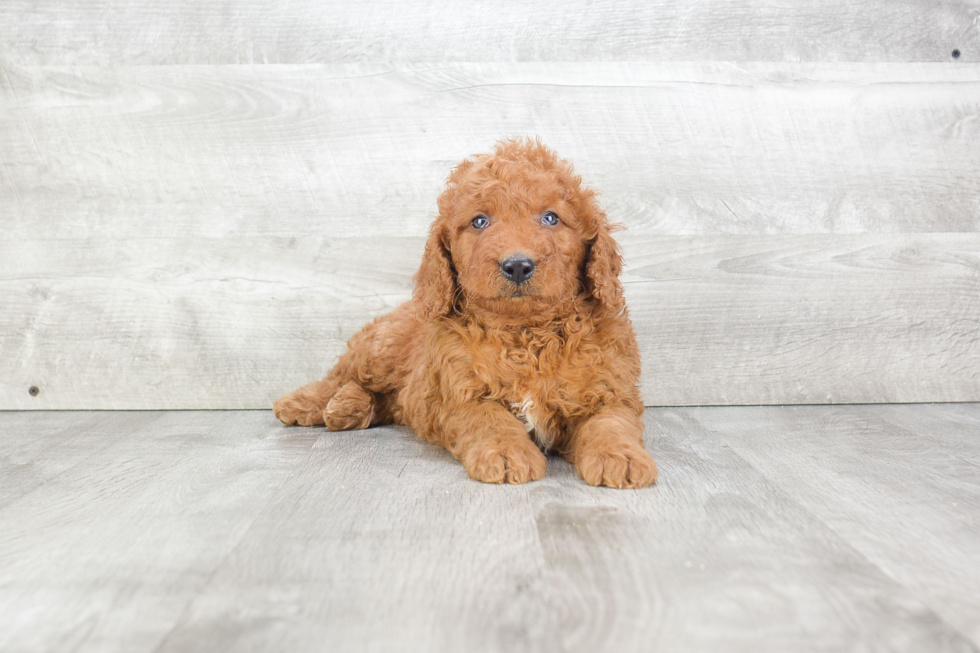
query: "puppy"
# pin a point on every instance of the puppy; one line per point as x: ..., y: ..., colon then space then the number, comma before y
x: 516, y: 340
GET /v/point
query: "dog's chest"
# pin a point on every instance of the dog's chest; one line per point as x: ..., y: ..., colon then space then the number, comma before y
x: 535, y: 421
x: 528, y: 368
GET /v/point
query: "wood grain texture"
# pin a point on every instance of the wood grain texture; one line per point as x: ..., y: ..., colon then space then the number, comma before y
x: 805, y: 529
x: 112, y: 32
x: 105, y: 554
x: 829, y: 461
x: 806, y: 319
x: 174, y: 323
x: 28, y: 463
x: 236, y: 322
x: 679, y: 148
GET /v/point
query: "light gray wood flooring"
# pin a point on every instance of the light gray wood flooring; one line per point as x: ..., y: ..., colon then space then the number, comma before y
x: 811, y: 528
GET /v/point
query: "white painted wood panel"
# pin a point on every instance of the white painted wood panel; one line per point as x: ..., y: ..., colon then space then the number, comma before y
x: 807, y: 319
x: 687, y: 148
x: 235, y: 322
x: 115, y: 32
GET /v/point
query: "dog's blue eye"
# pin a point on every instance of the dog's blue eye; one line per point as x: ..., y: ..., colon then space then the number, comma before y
x: 549, y: 219
x: 480, y: 222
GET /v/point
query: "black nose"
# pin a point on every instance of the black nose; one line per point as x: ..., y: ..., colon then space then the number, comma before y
x: 517, y: 269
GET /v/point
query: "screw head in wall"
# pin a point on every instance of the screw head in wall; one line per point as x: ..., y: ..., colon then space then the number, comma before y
x: 33, y: 390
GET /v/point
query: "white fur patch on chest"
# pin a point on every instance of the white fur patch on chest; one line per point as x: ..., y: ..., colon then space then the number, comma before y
x: 525, y: 412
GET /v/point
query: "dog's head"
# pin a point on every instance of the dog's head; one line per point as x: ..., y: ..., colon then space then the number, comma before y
x: 518, y: 235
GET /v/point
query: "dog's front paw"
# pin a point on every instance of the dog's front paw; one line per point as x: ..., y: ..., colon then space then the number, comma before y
x: 619, y: 465
x: 298, y: 408
x: 512, y: 462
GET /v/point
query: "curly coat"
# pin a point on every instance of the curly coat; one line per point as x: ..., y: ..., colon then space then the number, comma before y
x: 495, y: 370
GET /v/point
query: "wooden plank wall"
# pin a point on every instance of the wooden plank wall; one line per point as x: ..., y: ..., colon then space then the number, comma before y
x: 200, y: 203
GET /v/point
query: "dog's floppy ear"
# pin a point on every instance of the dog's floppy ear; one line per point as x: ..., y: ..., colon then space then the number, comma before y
x: 603, y: 264
x: 435, y: 282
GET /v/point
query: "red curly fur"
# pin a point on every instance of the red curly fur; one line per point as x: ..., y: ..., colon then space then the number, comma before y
x: 479, y: 364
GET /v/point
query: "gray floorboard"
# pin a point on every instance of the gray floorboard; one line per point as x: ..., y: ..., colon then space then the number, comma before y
x: 807, y: 529
x: 900, y: 483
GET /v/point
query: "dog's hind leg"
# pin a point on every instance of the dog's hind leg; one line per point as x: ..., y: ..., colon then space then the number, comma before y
x: 336, y: 402
x: 305, y: 406
x: 362, y: 388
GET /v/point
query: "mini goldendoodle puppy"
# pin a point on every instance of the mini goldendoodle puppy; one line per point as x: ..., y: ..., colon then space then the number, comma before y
x: 516, y: 339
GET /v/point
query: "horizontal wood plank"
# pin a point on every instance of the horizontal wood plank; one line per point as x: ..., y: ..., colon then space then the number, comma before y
x: 115, y: 32
x: 363, y: 150
x: 236, y: 322
x: 807, y: 319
